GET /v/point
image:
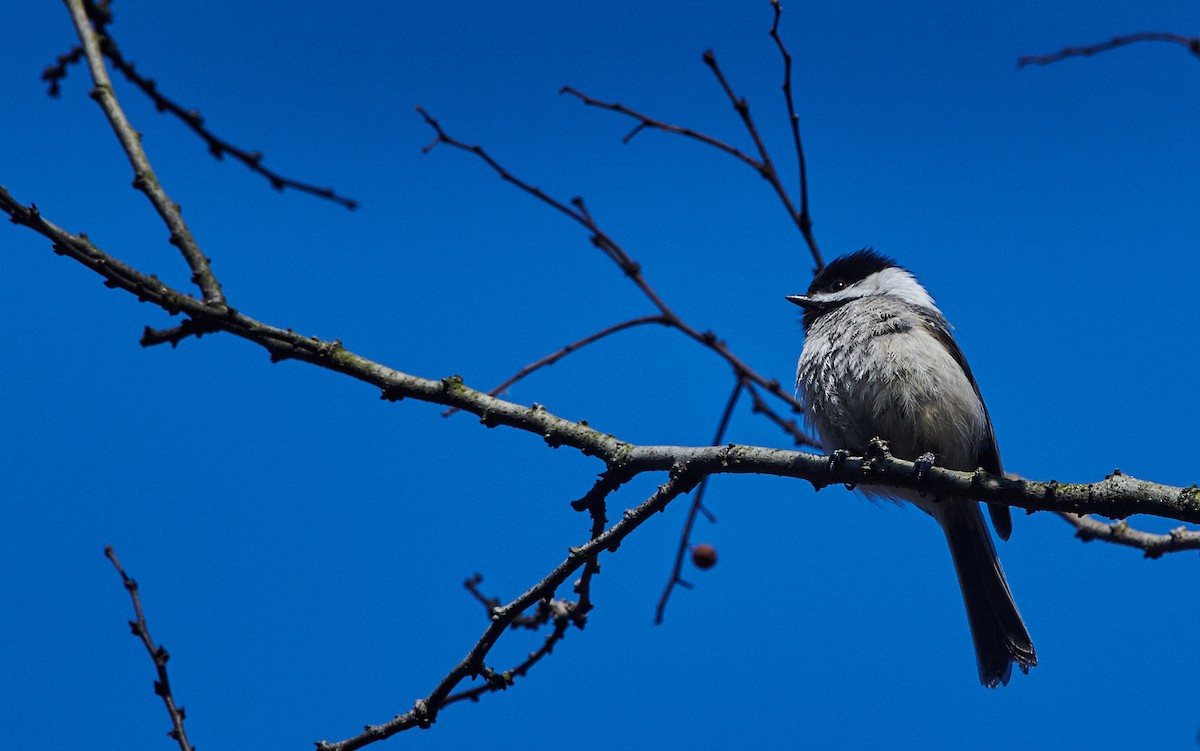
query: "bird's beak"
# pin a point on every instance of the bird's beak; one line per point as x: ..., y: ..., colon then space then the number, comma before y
x: 801, y: 300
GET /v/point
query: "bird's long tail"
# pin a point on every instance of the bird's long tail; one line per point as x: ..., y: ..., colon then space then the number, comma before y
x: 999, y: 633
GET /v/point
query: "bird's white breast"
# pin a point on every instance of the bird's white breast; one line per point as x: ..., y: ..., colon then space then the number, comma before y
x: 873, y: 367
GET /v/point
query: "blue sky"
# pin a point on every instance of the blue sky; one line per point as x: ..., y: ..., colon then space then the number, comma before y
x: 301, y: 544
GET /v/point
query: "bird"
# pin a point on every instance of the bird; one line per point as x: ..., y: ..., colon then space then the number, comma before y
x: 879, y: 362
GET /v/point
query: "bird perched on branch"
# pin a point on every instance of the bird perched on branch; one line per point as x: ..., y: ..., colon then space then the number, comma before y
x: 879, y: 362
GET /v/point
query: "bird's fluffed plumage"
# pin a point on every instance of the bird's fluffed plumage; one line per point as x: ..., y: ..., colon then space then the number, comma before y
x: 879, y: 361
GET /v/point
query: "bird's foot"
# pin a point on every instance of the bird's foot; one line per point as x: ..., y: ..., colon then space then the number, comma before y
x: 836, y: 460
x: 921, y: 468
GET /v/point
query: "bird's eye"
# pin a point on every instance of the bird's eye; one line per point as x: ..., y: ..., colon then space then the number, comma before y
x: 839, y: 285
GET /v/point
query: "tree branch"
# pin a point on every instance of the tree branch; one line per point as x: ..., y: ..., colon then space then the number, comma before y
x: 557, y: 355
x: 1192, y: 44
x: 144, y: 178
x: 101, y: 16
x: 557, y: 610
x: 158, y: 654
x: 804, y: 219
x: 1120, y: 533
x: 645, y: 121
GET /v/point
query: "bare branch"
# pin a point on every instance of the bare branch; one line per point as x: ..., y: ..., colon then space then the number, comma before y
x: 557, y: 355
x: 1117, y: 496
x: 645, y: 121
x: 763, y: 165
x: 1120, y: 533
x: 788, y: 425
x: 540, y: 617
x: 804, y: 220
x: 152, y: 337
x: 500, y: 682
x: 54, y: 74
x: 563, y: 613
x: 559, y: 611
x: 144, y: 178
x: 158, y: 653
x: 766, y: 166
x: 1192, y: 44
x: 218, y: 147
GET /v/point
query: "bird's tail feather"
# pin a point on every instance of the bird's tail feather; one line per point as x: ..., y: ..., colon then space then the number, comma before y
x: 999, y: 633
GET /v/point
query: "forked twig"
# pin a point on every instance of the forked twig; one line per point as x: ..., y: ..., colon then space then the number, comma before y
x: 558, y: 611
x: 131, y: 142
x: 763, y: 164
x: 158, y: 653
x: 645, y: 121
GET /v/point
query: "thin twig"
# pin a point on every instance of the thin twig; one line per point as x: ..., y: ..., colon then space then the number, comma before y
x: 766, y: 165
x: 218, y: 147
x: 645, y: 121
x: 158, y: 653
x: 595, y: 502
x: 152, y: 337
x: 805, y: 219
x: 558, y: 611
x: 540, y: 617
x: 788, y: 425
x: 500, y: 682
x: 144, y: 178
x: 697, y: 507
x: 763, y: 166
x: 557, y: 355
x: 1089, y: 528
x: 1192, y: 44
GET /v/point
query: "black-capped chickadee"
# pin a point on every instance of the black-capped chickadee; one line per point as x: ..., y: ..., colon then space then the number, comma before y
x: 879, y: 361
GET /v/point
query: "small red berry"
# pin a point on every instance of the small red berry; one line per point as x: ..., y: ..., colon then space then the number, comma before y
x: 704, y: 556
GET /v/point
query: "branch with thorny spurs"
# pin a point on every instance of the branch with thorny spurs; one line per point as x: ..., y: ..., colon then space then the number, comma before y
x: 562, y: 612
x: 763, y: 165
x: 158, y: 655
x: 1191, y: 44
x: 100, y: 14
